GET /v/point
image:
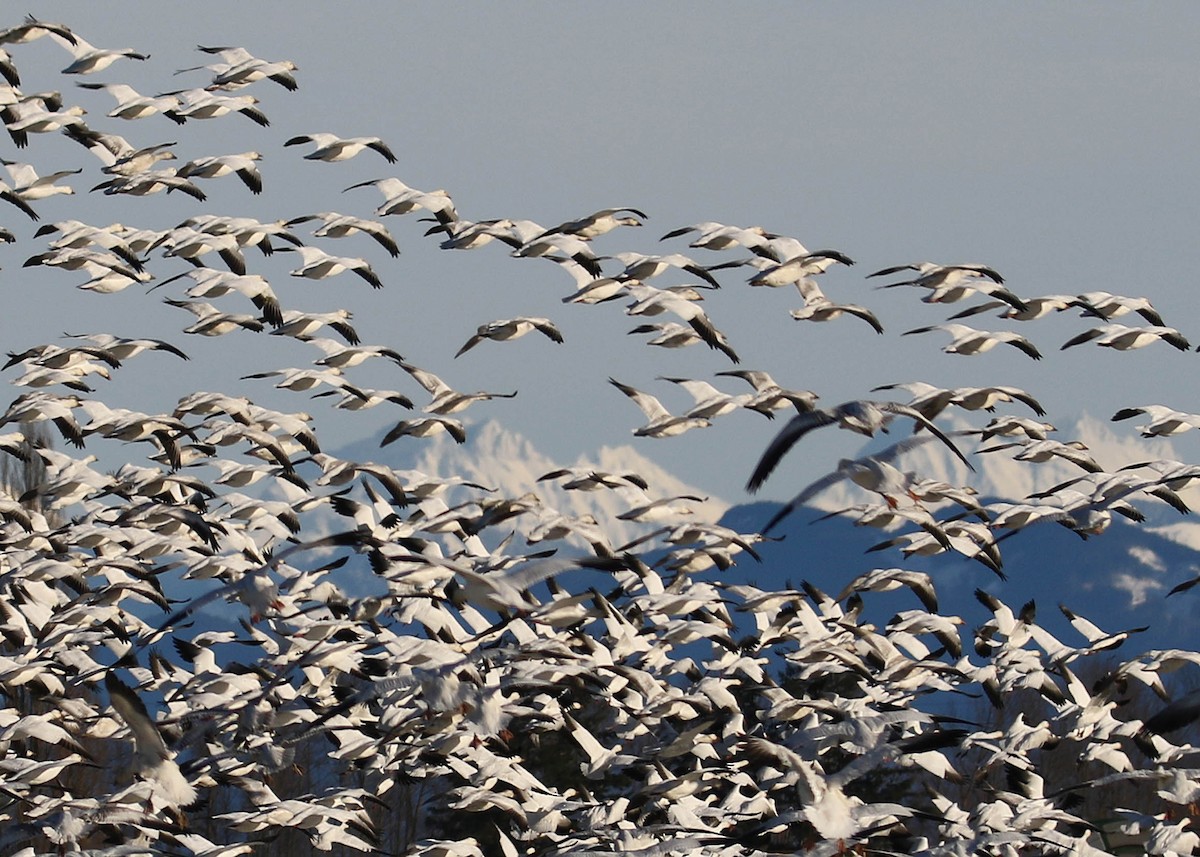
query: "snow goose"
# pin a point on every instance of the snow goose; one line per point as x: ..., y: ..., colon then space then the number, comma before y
x: 587, y: 479
x: 1124, y: 338
x: 931, y: 400
x: 683, y: 303
x: 238, y: 68
x: 242, y: 164
x: 671, y: 334
x: 961, y: 291
x: 710, y: 402
x: 399, y: 198
x: 968, y: 340
x: 34, y: 28
x: 1107, y: 305
x: 447, y: 400
x: 641, y: 266
x: 771, y: 396
x: 874, y: 473
x: 317, y: 265
x: 32, y: 118
x: 116, y: 153
x: 148, y: 182
x: 302, y: 325
x: 212, y: 322
x: 211, y: 283
x: 797, y: 269
x: 426, y: 427
x: 202, y: 104
x: 332, y: 148
x: 151, y: 758
x: 1041, y: 451
x: 935, y: 274
x: 334, y: 225
x: 75, y: 234
x: 1035, y: 308
x: 511, y: 328
x: 187, y: 243
x: 133, y: 105
x: 29, y: 186
x: 1164, y: 421
x: 823, y: 309
x: 339, y: 356
x: 83, y: 259
x: 87, y: 57
x: 14, y: 104
x: 862, y: 416
x: 598, y: 223
x: 247, y: 230
x: 661, y: 422
x: 711, y: 235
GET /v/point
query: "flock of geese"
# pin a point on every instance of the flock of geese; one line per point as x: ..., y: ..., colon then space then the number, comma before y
x: 533, y: 684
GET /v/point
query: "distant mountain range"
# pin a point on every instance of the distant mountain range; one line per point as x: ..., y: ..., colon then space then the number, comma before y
x: 1118, y: 579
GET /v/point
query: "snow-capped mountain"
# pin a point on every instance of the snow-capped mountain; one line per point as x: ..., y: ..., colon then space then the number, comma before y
x: 501, y: 459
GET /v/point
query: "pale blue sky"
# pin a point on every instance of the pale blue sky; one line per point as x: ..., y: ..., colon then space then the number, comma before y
x: 1054, y: 142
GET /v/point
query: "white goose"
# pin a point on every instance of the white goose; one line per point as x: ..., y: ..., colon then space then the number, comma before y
x: 860, y: 415
x: 318, y: 265
x: 1124, y: 338
x: 332, y: 148
x: 662, y: 423
x: 968, y: 340
x: 511, y: 328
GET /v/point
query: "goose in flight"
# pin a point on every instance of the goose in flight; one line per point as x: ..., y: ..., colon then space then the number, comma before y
x: 1124, y: 338
x: 662, y: 423
x: 798, y: 269
x: 769, y: 395
x: 426, y: 427
x: 116, y: 153
x: 334, y: 225
x: 154, y: 181
x: 861, y: 415
x: 1164, y: 421
x: 711, y: 235
x: 649, y: 300
x: 598, y: 223
x: 243, y: 164
x: 399, y: 198
x: 332, y: 148
x: 1035, y: 307
x: 301, y: 325
x: 511, y: 328
x: 1041, y: 451
x: 817, y: 307
x: 131, y: 104
x: 238, y: 68
x: 710, y: 402
x: 202, y: 104
x: 968, y: 340
x: 935, y: 275
x: 87, y: 57
x: 641, y: 266
x: 447, y: 400
x: 318, y: 265
x: 1108, y: 306
x: 29, y: 186
x: 151, y: 759
x: 874, y: 473
x: 931, y: 400
x: 34, y: 28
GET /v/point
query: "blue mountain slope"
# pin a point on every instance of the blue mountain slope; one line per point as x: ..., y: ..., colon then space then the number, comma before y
x: 1118, y: 579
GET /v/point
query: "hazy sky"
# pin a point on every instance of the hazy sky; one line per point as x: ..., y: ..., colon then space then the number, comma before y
x: 1055, y: 143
